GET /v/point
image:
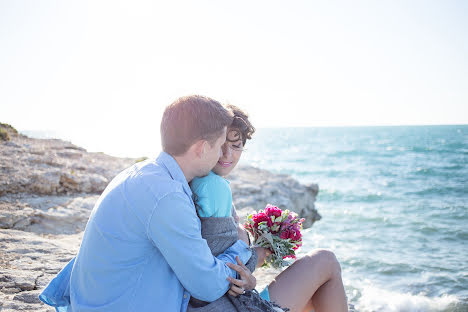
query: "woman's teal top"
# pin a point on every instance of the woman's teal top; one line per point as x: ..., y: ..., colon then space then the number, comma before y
x: 213, y: 196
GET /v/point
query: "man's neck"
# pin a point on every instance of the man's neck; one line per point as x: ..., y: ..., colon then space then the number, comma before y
x: 186, y: 167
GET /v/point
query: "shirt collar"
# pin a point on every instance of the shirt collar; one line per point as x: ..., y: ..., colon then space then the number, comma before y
x: 174, y: 170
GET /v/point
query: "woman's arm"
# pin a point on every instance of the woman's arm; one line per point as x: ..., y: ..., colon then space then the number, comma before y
x: 259, y: 254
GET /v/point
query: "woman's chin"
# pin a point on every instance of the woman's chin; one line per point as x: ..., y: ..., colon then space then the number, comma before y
x: 221, y: 171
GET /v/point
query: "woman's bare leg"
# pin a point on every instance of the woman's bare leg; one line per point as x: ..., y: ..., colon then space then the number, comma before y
x: 313, y: 282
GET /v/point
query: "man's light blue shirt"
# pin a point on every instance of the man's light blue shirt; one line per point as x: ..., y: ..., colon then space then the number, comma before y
x: 142, y: 249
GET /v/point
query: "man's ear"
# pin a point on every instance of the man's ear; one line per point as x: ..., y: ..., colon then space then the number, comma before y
x: 199, y: 148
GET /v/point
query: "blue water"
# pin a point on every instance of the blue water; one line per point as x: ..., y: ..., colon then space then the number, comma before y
x: 394, y: 202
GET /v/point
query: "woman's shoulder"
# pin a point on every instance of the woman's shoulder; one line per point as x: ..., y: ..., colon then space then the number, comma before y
x: 211, y: 182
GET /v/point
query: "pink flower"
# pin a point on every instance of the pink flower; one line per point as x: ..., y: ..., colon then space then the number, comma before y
x: 298, y: 234
x: 295, y: 235
x: 284, y: 234
x: 271, y: 210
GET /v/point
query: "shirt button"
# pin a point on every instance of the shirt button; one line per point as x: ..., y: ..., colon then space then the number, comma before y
x: 185, y: 296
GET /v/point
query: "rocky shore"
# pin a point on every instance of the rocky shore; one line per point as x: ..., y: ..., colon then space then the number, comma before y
x: 48, y: 188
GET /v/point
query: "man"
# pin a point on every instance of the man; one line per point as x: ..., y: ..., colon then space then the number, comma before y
x: 142, y: 249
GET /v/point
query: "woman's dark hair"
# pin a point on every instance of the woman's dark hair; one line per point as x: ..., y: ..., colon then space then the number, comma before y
x: 240, y: 123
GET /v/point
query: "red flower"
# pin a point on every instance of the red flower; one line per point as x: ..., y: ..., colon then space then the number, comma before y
x: 273, y: 211
x: 260, y: 217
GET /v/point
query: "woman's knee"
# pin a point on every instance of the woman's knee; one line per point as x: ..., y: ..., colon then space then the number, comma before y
x: 326, y: 259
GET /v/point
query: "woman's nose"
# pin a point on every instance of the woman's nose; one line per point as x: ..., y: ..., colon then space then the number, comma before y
x: 226, y: 151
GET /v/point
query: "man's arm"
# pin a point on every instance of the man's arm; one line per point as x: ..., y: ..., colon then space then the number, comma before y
x: 175, y: 231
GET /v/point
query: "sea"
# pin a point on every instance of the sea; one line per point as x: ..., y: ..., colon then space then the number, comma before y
x: 394, y: 207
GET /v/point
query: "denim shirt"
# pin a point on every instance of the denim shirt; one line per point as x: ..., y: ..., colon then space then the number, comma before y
x: 142, y: 248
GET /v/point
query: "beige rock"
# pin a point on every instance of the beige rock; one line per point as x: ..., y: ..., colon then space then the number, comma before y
x: 51, y: 167
x: 253, y: 188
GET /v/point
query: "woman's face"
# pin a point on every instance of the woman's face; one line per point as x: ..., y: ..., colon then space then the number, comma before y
x: 232, y: 151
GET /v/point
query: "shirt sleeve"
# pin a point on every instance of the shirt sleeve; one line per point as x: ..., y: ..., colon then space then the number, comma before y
x: 175, y: 230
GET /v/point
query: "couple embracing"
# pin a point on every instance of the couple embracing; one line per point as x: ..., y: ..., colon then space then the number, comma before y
x: 164, y: 235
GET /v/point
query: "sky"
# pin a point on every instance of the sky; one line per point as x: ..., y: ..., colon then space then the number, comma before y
x: 100, y: 73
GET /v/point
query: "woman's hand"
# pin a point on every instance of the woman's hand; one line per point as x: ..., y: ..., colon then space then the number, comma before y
x: 242, y: 234
x: 247, y: 281
x: 262, y: 254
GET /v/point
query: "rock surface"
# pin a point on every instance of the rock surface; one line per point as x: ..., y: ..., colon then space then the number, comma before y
x: 48, y: 189
x: 253, y: 188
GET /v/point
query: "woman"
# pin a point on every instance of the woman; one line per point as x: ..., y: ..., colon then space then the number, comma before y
x: 312, y: 282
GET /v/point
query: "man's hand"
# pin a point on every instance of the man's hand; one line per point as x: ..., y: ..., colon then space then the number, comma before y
x: 262, y: 254
x: 242, y: 234
x: 247, y: 281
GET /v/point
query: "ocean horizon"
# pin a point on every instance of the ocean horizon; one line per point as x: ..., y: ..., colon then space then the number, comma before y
x: 394, y: 206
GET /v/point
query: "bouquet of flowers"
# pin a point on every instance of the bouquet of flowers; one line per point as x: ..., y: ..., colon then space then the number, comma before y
x: 277, y: 230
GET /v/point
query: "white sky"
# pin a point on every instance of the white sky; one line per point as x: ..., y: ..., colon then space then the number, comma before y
x: 101, y: 72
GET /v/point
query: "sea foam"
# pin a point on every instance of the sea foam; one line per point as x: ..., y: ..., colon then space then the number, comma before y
x: 377, y: 299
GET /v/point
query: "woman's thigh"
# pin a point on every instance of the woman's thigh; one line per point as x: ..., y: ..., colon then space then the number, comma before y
x: 294, y: 287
